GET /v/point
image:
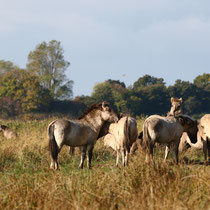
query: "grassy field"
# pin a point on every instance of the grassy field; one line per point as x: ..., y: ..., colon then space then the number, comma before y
x: 26, y: 182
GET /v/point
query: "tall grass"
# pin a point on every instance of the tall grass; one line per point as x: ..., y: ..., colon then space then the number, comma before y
x: 26, y: 182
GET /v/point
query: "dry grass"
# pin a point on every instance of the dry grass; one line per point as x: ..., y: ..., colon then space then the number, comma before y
x: 28, y: 183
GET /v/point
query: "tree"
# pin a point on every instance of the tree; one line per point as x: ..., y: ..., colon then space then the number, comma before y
x: 22, y: 92
x: 48, y: 63
x: 147, y: 80
x: 112, y: 91
x: 6, y: 66
x: 203, y: 81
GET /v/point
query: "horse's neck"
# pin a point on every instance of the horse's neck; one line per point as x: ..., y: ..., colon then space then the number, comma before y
x: 95, y: 123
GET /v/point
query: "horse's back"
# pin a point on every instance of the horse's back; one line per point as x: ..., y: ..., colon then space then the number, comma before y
x: 162, y: 129
x: 71, y: 133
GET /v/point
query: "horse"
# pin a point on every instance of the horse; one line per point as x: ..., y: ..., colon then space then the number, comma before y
x: 166, y: 130
x: 79, y: 133
x: 8, y: 133
x: 104, y: 131
x: 204, y: 132
x: 121, y: 137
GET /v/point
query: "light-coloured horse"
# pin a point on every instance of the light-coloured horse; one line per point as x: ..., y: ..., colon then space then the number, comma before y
x: 175, y: 107
x: 121, y: 137
x: 8, y: 133
x: 81, y: 133
x: 166, y: 130
x: 204, y: 132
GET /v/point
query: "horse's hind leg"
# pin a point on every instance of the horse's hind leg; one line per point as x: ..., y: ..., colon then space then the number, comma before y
x: 126, y: 157
x: 54, y: 160
x: 89, y: 156
x: 176, y: 152
x: 123, y: 154
x: 167, y: 150
x: 149, y: 153
x: 205, y: 149
x: 83, y: 155
x: 208, y: 148
x: 117, y: 158
x: 71, y: 151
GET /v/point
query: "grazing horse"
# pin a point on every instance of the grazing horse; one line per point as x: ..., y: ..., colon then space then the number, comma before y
x: 121, y: 137
x: 8, y: 133
x: 81, y: 133
x: 166, y: 130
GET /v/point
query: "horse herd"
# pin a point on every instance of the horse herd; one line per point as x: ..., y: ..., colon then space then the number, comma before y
x: 176, y: 130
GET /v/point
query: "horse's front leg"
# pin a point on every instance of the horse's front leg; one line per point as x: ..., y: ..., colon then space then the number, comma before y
x: 83, y: 155
x: 89, y: 156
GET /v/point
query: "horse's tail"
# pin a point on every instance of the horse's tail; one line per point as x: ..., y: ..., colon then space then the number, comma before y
x: 53, y: 147
x: 146, y: 136
x: 127, y: 141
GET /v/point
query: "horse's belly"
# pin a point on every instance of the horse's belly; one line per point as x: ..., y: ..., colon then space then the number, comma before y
x: 79, y: 138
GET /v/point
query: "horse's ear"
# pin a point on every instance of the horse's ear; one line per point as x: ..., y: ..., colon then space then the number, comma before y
x: 172, y: 99
x: 105, y: 106
x: 180, y: 100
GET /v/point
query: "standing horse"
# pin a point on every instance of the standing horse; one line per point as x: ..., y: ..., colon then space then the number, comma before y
x: 166, y: 130
x: 81, y: 133
x: 121, y: 137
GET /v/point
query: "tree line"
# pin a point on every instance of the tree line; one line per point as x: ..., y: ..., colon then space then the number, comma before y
x: 43, y: 87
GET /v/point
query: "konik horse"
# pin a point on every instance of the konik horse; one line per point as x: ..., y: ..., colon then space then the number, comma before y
x: 79, y: 133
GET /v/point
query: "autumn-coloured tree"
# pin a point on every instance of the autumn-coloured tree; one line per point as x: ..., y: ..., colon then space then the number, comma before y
x: 22, y: 92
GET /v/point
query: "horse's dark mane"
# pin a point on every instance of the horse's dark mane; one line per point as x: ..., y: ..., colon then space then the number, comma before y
x: 93, y: 107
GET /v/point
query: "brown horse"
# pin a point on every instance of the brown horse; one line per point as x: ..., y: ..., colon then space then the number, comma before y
x: 81, y: 133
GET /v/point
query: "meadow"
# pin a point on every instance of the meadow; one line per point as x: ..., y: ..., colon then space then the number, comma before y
x: 26, y: 181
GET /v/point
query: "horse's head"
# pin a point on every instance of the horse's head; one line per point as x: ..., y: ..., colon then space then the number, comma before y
x: 189, y: 125
x: 107, y: 113
x: 175, y: 106
x: 2, y: 127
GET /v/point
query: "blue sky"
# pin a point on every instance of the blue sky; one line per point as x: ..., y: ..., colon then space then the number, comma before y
x: 112, y: 39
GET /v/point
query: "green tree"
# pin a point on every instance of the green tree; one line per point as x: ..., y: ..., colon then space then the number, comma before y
x: 203, y: 81
x: 22, y: 92
x: 6, y: 66
x: 112, y: 91
x: 48, y: 63
x: 147, y: 80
